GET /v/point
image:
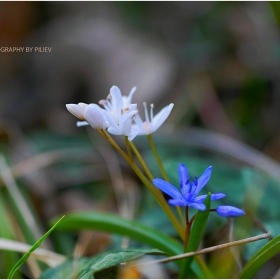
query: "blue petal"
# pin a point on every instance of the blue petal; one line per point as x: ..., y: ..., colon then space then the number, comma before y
x: 168, y: 189
x: 216, y: 196
x: 183, y: 178
x: 177, y: 202
x: 198, y: 206
x: 203, y: 180
x: 229, y: 211
x: 200, y: 198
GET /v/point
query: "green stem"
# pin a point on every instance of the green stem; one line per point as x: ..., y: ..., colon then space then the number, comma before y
x: 128, y: 147
x: 163, y: 172
x: 188, y: 228
x: 142, y: 162
x: 155, y: 191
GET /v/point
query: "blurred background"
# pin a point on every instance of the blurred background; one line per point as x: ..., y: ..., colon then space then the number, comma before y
x: 218, y: 62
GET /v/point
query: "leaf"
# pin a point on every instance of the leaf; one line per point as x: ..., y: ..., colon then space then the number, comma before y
x: 84, y: 268
x: 197, y: 231
x: 113, y: 258
x: 33, y: 248
x: 117, y: 225
x: 260, y: 258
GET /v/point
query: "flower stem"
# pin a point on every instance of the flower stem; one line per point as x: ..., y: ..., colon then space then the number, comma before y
x: 163, y: 172
x: 142, y: 162
x: 188, y: 228
x: 155, y: 191
x: 128, y: 148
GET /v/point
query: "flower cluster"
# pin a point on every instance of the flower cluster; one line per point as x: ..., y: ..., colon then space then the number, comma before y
x: 118, y: 115
x: 190, y: 190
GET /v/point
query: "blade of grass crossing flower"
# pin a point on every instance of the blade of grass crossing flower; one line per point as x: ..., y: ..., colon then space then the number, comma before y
x: 33, y: 248
x: 196, y: 234
x: 260, y: 258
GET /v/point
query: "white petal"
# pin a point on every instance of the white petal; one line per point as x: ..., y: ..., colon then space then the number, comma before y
x: 117, y: 102
x: 76, y: 110
x: 160, y: 118
x: 134, y: 132
x: 82, y: 123
x: 126, y: 122
x: 95, y: 116
x: 114, y: 131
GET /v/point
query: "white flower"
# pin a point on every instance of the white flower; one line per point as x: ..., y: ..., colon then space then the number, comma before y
x: 96, y: 116
x: 151, y: 124
x: 77, y: 110
x: 120, y: 111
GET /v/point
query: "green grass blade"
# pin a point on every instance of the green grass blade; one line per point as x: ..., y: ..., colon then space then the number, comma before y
x: 6, y: 231
x: 260, y: 258
x: 114, y: 224
x: 33, y: 248
x: 196, y: 235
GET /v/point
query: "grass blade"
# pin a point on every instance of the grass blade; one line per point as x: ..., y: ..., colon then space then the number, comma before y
x: 260, y: 258
x: 33, y: 248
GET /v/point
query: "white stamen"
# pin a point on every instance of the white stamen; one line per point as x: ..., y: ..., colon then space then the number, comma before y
x: 152, y: 112
x: 146, y: 112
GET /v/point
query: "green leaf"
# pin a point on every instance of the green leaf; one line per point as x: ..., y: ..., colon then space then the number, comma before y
x: 260, y: 258
x: 110, y: 259
x: 33, y: 248
x: 117, y: 225
x: 197, y: 231
x: 85, y: 268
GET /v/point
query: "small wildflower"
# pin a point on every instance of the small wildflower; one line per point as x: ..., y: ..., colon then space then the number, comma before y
x: 151, y: 124
x: 229, y: 211
x: 189, y: 190
x: 120, y: 111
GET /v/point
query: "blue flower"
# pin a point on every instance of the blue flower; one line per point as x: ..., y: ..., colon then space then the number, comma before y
x: 189, y: 190
x: 229, y: 211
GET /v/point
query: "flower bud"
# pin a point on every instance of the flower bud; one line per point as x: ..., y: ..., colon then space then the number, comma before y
x: 229, y: 211
x: 96, y: 116
x: 77, y: 110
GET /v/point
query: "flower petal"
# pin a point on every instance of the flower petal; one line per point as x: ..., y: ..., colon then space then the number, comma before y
x: 200, y: 199
x: 203, y: 180
x: 117, y: 102
x: 160, y: 117
x: 95, y: 116
x: 77, y: 110
x: 114, y: 131
x: 83, y: 123
x: 168, y: 189
x: 198, y: 206
x: 216, y: 196
x: 229, y: 211
x: 183, y: 179
x: 134, y: 132
x: 126, y: 121
x: 177, y: 202
x: 127, y: 99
